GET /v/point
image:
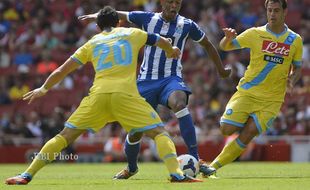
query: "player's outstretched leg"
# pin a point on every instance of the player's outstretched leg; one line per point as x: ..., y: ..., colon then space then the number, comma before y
x: 131, y: 150
x: 167, y: 153
x: 187, y: 130
x: 188, y: 133
x: 46, y: 155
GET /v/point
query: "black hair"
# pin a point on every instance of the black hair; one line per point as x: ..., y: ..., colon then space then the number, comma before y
x: 283, y: 3
x: 107, y: 17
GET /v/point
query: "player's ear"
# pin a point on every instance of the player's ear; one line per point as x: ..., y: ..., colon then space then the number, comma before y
x: 98, y: 28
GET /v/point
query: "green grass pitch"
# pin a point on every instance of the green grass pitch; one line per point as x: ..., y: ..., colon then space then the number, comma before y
x: 153, y: 176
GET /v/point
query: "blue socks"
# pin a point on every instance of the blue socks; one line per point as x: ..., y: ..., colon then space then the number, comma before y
x: 188, y: 131
x: 132, y: 151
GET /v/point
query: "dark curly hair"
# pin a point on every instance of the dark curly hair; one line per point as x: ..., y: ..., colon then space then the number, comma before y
x: 107, y: 17
x: 283, y: 3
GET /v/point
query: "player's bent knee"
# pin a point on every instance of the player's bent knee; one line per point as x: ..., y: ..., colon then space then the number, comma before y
x: 251, y: 130
x: 152, y: 133
x: 179, y: 106
x: 227, y: 129
x: 71, y: 134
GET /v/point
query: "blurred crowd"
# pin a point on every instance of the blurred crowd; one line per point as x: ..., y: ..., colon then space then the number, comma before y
x: 37, y: 36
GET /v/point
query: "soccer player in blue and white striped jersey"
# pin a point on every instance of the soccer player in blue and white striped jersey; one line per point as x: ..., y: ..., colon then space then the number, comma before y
x: 160, y: 78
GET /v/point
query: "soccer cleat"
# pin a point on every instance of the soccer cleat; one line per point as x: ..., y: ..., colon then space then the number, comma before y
x: 176, y: 178
x: 213, y: 176
x: 206, y: 170
x: 125, y: 174
x: 21, y: 179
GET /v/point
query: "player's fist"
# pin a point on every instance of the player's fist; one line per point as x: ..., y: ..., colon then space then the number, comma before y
x: 230, y: 33
x: 175, y: 53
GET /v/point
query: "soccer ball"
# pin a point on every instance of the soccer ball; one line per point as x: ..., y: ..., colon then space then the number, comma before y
x: 189, y: 164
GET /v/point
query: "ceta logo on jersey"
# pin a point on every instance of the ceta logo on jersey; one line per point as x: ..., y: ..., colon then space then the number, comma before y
x: 276, y: 48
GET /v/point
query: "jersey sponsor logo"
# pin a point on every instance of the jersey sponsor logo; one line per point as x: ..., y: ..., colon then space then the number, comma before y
x: 273, y: 59
x: 275, y: 48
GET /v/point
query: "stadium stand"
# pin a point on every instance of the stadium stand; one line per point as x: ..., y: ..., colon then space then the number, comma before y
x: 52, y: 26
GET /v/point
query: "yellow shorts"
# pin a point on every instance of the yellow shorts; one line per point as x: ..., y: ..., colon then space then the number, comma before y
x: 132, y: 112
x: 240, y: 107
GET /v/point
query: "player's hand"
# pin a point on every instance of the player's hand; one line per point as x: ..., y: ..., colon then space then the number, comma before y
x: 89, y: 17
x: 34, y: 94
x: 230, y: 33
x: 225, y: 72
x: 175, y: 53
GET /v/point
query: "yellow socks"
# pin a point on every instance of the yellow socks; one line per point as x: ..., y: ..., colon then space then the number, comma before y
x: 48, y: 153
x: 167, y: 153
x: 229, y: 153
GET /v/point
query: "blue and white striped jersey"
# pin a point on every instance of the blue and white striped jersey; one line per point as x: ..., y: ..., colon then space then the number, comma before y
x: 155, y: 65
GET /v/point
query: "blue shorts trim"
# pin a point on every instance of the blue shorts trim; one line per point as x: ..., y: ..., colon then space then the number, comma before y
x: 133, y: 131
x: 230, y: 122
x: 71, y: 126
x: 258, y: 126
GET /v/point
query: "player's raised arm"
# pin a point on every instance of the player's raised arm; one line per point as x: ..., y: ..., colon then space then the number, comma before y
x: 163, y: 43
x: 213, y: 53
x: 122, y: 15
x: 56, y: 76
x: 226, y: 43
x: 171, y: 51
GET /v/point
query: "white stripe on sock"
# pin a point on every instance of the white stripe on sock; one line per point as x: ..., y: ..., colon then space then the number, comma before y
x: 182, y: 113
x: 127, y: 139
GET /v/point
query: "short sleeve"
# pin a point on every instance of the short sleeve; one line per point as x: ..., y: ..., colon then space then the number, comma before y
x: 244, y: 39
x: 81, y: 55
x: 152, y: 39
x: 139, y: 36
x: 297, y: 57
x: 195, y: 32
x: 138, y: 17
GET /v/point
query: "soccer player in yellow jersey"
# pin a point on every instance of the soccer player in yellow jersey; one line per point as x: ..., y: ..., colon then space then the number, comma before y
x: 274, y: 68
x: 113, y: 96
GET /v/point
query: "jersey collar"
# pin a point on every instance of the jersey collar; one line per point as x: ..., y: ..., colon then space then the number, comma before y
x: 275, y: 34
x: 173, y: 21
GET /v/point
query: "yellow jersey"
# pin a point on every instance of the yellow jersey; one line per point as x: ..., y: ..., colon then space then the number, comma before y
x: 114, y: 57
x: 271, y: 56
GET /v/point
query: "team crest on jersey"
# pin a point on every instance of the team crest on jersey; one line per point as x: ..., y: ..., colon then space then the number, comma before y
x: 275, y: 48
x: 182, y: 84
x: 229, y: 111
x: 153, y: 115
x: 178, y: 29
